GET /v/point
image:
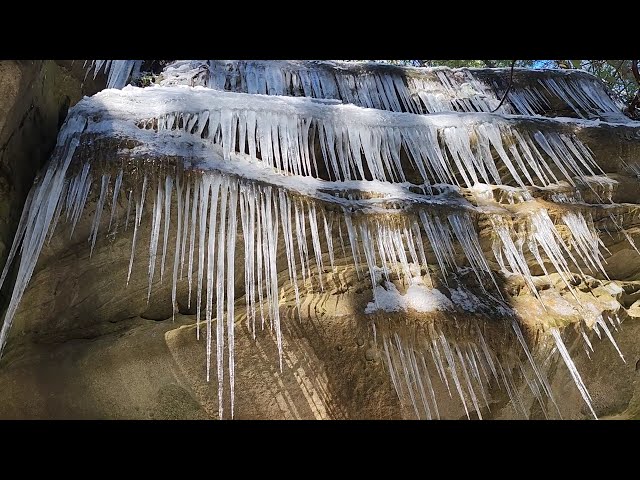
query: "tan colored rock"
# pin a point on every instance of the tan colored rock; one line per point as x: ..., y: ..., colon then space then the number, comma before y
x: 85, y: 344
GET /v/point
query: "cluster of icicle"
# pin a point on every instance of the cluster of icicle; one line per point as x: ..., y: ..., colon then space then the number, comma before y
x: 119, y: 72
x: 253, y: 160
x: 205, y: 207
x: 465, y: 363
x: 362, y: 144
x: 399, y: 89
x: 468, y: 366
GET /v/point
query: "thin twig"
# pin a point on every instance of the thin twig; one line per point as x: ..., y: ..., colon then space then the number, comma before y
x: 617, y: 71
x: 636, y: 99
x: 504, y: 97
x: 623, y: 88
x: 636, y: 72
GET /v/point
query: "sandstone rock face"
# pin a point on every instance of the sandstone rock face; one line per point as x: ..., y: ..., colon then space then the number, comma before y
x: 87, y: 343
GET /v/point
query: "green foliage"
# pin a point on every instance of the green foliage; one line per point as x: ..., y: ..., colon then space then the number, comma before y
x: 145, y: 80
x: 149, y: 72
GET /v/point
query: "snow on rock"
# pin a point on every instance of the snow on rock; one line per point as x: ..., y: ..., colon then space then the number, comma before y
x: 614, y: 289
x: 465, y: 299
x: 418, y: 298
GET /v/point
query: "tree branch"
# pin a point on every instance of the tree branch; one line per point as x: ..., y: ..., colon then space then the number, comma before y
x: 617, y: 71
x: 504, y: 97
x: 636, y: 99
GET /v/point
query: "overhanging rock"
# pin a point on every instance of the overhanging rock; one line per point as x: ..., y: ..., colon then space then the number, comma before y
x: 482, y: 238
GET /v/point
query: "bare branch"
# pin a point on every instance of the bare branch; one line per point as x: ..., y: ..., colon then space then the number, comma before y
x: 513, y: 64
x: 636, y: 99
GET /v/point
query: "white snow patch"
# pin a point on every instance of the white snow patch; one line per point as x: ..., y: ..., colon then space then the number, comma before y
x: 613, y: 288
x: 418, y: 298
x: 559, y: 305
x: 465, y: 299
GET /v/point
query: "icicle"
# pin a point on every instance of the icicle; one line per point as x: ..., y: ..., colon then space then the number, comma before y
x: 539, y: 373
x: 247, y: 236
x: 114, y: 201
x: 260, y: 252
x: 139, y: 206
x: 81, y: 198
x: 406, y: 374
x: 315, y: 241
x: 353, y: 241
x: 100, y: 205
x: 176, y: 254
x: 45, y: 200
x: 185, y: 231
x: 586, y: 241
x: 572, y: 370
x: 167, y: 219
x: 392, y: 372
x: 285, y: 220
x: 118, y: 71
x: 58, y: 213
x: 418, y: 378
x: 22, y: 226
x: 470, y: 243
x: 155, y: 233
x: 513, y: 254
x: 220, y: 289
x: 600, y: 321
x: 192, y: 239
x: 272, y: 285
x: 432, y: 393
x: 252, y: 224
x: 474, y: 400
x: 452, y: 368
x: 213, y: 187
x: 475, y: 372
x: 329, y: 238
x: 586, y: 340
x: 437, y: 360
x: 231, y: 247
x: 126, y: 225
x: 205, y: 184
x: 511, y: 391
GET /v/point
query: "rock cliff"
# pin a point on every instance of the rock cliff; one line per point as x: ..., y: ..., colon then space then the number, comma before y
x: 330, y: 240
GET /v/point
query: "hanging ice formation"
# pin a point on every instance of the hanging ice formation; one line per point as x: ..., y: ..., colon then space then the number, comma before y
x: 288, y: 179
x: 118, y: 72
x: 404, y: 89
